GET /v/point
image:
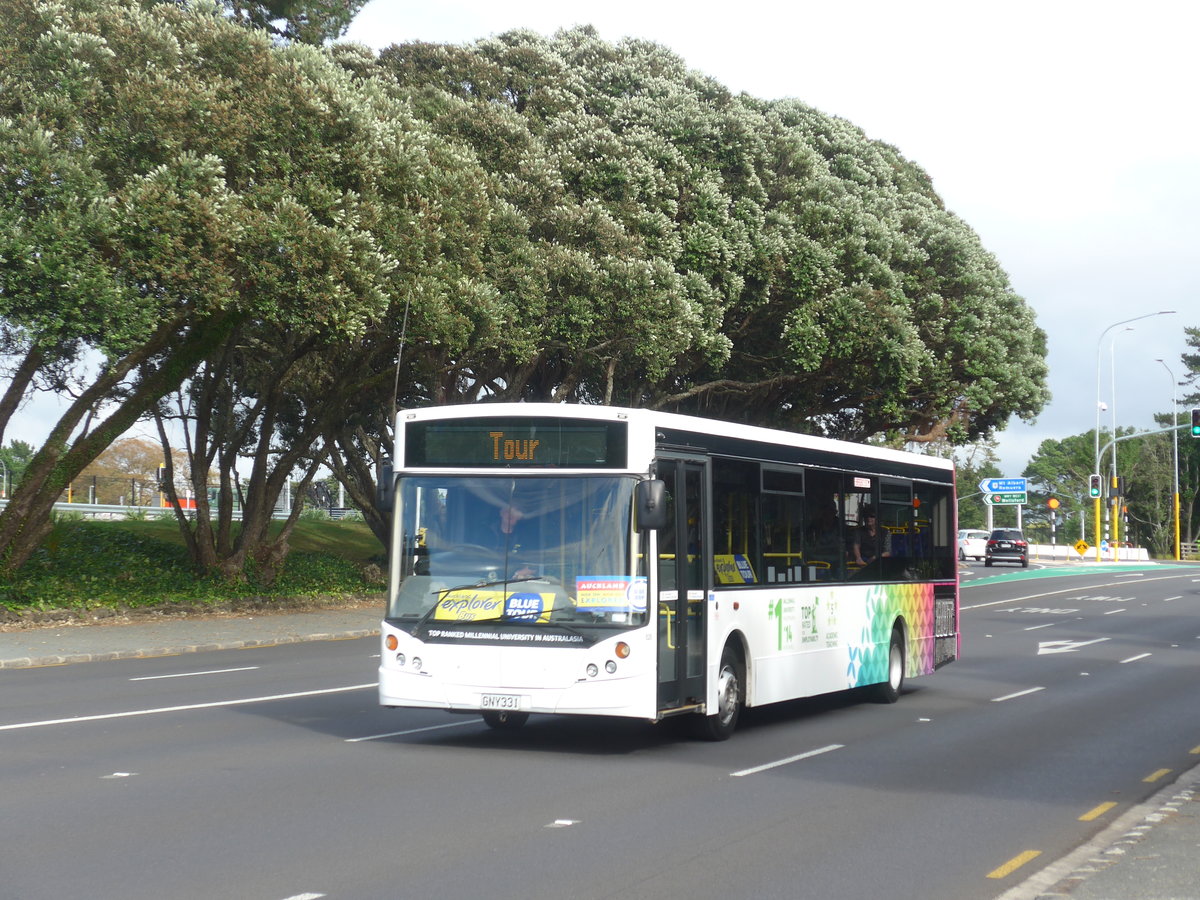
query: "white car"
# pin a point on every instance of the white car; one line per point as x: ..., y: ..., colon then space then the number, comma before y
x: 972, y: 543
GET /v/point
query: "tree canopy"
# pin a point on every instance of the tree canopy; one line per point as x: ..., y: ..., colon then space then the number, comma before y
x: 689, y: 249
x: 273, y: 242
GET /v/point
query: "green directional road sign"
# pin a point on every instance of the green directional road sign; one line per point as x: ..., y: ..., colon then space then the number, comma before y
x: 1012, y: 499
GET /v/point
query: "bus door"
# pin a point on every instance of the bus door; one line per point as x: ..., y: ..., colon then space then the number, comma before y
x: 683, y: 583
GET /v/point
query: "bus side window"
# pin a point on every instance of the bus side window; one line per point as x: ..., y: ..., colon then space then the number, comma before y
x: 735, y: 527
x: 783, y: 538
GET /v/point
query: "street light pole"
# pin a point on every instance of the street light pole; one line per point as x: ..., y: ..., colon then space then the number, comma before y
x: 1175, y: 435
x: 1096, y: 466
x: 1114, y: 500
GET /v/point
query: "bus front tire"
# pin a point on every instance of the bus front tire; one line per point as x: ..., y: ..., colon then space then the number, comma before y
x: 502, y: 720
x: 730, y: 697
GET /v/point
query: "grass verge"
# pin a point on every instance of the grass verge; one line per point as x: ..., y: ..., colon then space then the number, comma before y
x: 126, y: 565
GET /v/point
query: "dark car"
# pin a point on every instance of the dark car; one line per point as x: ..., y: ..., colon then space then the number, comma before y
x: 1006, y: 545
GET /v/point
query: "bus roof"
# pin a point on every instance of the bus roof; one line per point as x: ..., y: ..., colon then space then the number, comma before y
x: 695, y: 424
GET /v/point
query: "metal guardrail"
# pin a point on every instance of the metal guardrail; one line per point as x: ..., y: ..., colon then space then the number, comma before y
x: 117, y: 511
x: 1069, y: 553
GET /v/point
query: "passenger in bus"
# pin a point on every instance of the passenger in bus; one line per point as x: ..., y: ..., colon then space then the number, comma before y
x: 869, y: 543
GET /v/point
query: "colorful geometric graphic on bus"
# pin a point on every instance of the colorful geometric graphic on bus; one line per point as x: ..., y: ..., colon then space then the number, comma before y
x: 611, y: 593
x: 912, y: 602
x: 469, y: 605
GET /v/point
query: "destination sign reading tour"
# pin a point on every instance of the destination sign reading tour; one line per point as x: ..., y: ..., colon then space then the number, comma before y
x: 509, y: 448
x: 491, y: 442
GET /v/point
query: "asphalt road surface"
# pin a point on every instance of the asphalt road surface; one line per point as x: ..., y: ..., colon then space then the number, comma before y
x: 272, y: 774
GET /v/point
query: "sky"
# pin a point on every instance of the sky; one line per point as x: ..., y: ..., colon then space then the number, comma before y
x: 1065, y: 133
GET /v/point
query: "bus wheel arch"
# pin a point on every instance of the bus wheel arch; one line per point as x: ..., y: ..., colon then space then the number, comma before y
x: 888, y: 691
x: 731, y: 692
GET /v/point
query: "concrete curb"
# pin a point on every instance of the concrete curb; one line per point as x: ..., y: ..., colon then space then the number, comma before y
x: 150, y: 653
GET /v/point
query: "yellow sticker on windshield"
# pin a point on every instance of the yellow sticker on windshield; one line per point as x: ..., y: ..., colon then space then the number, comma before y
x: 470, y: 605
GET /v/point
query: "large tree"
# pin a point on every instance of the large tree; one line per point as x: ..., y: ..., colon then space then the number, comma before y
x: 796, y: 273
x: 660, y: 242
x: 206, y: 182
x: 290, y: 241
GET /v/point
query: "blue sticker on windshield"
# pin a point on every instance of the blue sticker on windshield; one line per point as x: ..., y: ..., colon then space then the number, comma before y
x: 524, y: 607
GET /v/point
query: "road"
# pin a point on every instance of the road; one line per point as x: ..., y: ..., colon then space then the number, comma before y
x: 271, y: 774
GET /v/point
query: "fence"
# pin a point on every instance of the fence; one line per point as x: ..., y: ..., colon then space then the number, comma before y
x: 1068, y: 553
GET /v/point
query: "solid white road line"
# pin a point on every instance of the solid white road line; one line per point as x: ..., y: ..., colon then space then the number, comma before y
x: 190, y: 674
x: 1136, y: 658
x: 190, y: 706
x: 1072, y: 590
x: 1017, y: 694
x: 784, y: 762
x: 378, y: 737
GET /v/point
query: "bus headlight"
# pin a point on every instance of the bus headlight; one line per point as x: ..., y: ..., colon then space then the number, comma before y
x: 417, y: 663
x: 400, y: 659
x: 592, y: 670
x: 610, y: 667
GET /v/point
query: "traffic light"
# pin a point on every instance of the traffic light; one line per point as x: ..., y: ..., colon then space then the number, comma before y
x: 1196, y: 422
x: 161, y: 478
x: 1094, y: 486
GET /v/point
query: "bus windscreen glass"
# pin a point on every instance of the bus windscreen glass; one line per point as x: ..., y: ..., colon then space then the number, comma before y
x: 518, y: 552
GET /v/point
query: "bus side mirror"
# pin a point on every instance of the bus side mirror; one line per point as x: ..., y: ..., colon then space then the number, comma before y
x: 385, y: 487
x: 651, y: 505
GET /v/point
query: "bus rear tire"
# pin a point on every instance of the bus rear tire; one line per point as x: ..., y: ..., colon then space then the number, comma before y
x: 889, y: 691
x: 731, y: 694
x: 502, y: 720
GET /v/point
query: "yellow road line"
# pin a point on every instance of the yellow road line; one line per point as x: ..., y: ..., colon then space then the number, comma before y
x: 1097, y: 812
x: 1154, y: 776
x: 1015, y: 863
x: 1195, y: 750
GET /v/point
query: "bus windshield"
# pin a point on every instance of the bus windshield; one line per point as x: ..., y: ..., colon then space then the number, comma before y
x: 527, y: 551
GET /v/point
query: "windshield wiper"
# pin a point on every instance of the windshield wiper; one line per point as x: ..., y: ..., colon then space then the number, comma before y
x: 473, y: 586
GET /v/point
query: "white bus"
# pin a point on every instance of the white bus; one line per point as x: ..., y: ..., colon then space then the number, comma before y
x: 591, y: 560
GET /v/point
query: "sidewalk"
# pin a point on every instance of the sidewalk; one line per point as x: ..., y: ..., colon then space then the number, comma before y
x: 1152, y: 852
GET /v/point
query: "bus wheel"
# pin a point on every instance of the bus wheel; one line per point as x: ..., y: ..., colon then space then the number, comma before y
x: 730, y: 694
x: 889, y: 691
x: 505, y: 721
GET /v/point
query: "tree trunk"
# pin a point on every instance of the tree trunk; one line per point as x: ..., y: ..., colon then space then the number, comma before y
x: 26, y: 519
